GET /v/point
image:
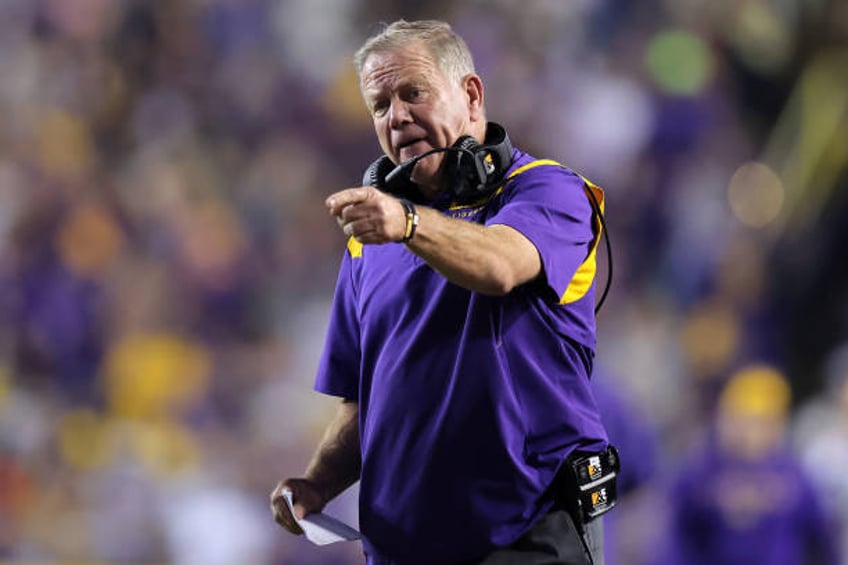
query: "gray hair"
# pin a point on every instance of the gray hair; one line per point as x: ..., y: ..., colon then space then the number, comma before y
x: 448, y: 50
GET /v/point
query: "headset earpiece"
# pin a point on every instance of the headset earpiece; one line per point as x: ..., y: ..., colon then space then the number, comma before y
x: 375, y: 174
x: 476, y: 170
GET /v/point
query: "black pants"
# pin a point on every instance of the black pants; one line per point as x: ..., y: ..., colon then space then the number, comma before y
x: 553, y: 540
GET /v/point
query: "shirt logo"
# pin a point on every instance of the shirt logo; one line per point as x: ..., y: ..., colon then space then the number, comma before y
x: 465, y: 213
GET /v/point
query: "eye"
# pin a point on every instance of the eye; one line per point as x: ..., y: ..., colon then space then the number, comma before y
x: 379, y: 107
x: 415, y: 93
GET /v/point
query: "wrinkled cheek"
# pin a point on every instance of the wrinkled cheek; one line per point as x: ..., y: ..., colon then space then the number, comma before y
x: 387, y: 149
x: 383, y: 139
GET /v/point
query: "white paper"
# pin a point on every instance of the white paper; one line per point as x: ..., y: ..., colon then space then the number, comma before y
x: 321, y: 529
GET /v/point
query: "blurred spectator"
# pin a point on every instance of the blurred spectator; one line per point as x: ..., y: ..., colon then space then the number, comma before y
x: 821, y: 434
x: 744, y: 497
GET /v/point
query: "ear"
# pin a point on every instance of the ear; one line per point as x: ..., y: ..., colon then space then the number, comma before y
x: 473, y: 87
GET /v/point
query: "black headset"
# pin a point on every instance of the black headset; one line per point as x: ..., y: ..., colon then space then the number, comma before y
x: 473, y: 170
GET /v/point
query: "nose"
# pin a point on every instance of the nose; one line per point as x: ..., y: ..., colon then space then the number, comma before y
x: 399, y: 114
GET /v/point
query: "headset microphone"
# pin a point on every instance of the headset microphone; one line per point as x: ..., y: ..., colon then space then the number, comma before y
x: 402, y: 174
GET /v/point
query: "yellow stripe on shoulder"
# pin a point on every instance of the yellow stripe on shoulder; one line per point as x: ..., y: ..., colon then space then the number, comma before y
x: 533, y: 164
x: 354, y: 248
x: 582, y: 280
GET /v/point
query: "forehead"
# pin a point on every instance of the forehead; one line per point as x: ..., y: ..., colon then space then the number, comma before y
x: 384, y: 69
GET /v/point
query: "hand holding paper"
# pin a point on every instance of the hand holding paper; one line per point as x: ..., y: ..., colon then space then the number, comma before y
x: 319, y: 528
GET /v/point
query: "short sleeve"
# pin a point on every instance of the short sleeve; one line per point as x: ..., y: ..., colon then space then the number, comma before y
x: 338, y: 369
x: 549, y: 206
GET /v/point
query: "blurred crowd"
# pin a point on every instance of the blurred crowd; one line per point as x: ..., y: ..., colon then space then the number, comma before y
x: 166, y: 261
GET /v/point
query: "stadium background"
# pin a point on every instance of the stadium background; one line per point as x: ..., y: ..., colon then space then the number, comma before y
x: 166, y: 262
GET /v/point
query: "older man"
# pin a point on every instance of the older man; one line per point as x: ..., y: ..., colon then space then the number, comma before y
x: 462, y: 335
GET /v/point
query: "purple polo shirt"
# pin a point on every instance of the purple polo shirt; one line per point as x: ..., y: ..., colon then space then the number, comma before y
x: 468, y: 403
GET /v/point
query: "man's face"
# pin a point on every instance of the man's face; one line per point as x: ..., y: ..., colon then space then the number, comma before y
x: 416, y: 108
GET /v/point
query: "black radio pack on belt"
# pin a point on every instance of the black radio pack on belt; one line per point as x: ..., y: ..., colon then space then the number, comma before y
x: 586, y: 485
x: 595, y: 478
x: 472, y: 170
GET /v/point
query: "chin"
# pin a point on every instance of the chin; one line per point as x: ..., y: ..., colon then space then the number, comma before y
x: 427, y: 171
x: 425, y: 178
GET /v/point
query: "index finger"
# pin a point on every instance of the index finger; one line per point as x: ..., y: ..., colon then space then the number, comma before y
x: 338, y: 200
